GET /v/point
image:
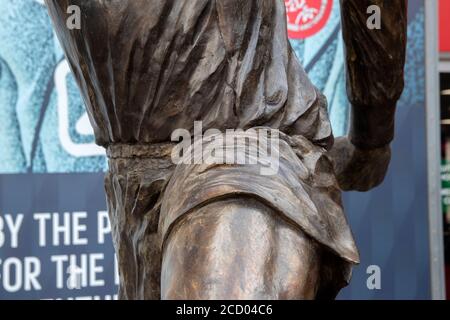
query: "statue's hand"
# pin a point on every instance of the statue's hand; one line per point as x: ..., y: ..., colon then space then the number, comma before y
x: 359, y: 169
x: 375, y: 59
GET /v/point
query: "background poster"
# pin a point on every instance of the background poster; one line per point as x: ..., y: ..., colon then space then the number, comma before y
x: 54, y: 237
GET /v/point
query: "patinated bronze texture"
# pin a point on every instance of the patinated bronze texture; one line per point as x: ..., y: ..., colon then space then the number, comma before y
x: 188, y: 230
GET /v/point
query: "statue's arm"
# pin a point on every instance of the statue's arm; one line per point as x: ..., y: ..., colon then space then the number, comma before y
x: 375, y: 60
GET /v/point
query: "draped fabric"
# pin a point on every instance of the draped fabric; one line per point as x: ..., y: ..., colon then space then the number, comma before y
x: 302, y: 187
x: 146, y: 68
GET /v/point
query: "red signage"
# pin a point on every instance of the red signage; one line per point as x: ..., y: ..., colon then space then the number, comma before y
x: 444, y: 25
x: 307, y: 17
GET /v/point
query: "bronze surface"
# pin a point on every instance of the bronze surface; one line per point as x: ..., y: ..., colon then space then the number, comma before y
x: 148, y: 67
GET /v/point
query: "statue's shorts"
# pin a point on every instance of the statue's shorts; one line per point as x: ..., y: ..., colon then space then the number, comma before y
x: 151, y: 188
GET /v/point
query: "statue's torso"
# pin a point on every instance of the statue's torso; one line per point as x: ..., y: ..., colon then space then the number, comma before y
x: 147, y: 68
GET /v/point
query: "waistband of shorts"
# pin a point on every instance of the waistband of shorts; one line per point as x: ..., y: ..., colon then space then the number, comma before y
x: 163, y: 150
x: 140, y: 150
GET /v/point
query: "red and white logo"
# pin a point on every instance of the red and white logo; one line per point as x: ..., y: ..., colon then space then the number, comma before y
x: 307, y: 17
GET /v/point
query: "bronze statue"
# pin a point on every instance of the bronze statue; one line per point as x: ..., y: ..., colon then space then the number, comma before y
x: 146, y: 68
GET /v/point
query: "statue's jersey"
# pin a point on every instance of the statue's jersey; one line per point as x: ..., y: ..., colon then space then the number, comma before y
x: 227, y: 63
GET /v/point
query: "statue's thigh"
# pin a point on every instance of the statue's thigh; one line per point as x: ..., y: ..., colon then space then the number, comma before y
x: 238, y: 249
